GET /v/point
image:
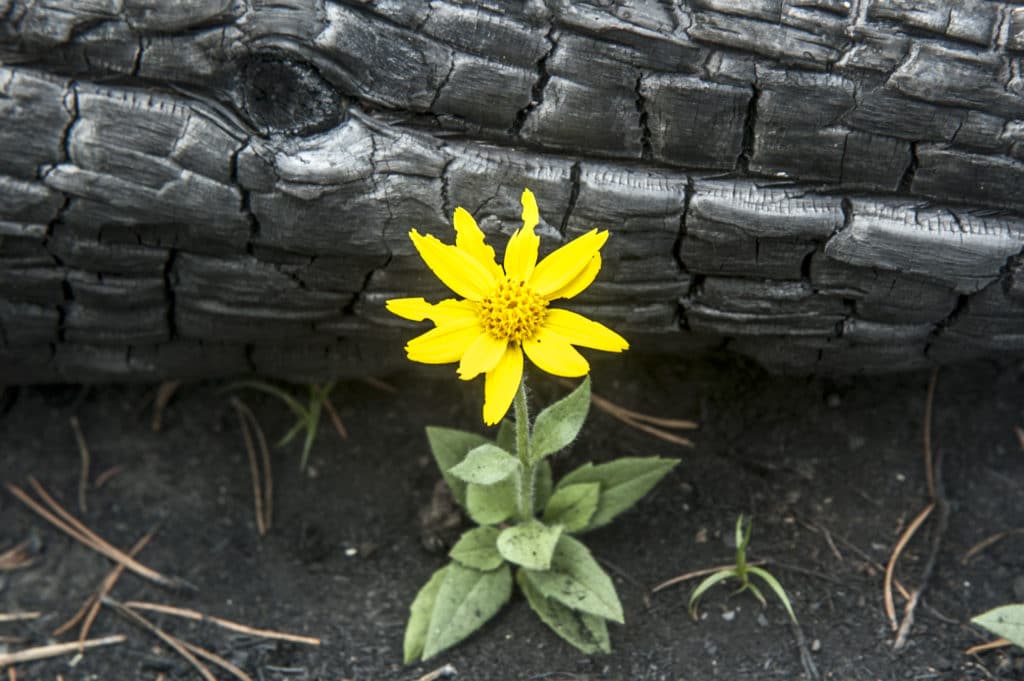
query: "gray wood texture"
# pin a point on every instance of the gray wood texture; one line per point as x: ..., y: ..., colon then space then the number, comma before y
x: 206, y: 188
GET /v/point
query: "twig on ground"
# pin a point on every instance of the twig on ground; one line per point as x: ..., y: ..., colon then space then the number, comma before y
x: 55, y: 650
x: 652, y: 425
x: 890, y: 568
x: 860, y: 553
x: 339, y: 425
x: 698, y: 573
x: 987, y: 542
x: 262, y: 485
x: 164, y: 394
x: 19, y: 616
x: 83, y: 451
x: 217, y: 660
x: 16, y: 557
x: 108, y: 584
x: 439, y: 673
x: 937, y: 494
x: 92, y: 603
x: 78, y: 531
x: 227, y: 624
x: 991, y: 645
x: 172, y: 641
x: 105, y: 477
x: 806, y: 661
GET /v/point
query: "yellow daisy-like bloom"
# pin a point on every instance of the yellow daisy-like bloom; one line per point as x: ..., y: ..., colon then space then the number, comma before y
x: 505, y: 310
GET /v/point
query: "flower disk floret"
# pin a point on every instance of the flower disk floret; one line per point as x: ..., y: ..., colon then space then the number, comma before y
x: 505, y: 309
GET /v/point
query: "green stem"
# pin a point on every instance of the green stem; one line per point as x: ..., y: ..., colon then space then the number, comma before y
x: 525, y: 481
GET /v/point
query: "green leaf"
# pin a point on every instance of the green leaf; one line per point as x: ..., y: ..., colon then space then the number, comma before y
x: 623, y: 482
x: 586, y: 632
x: 491, y: 504
x: 419, y: 617
x: 1006, y: 621
x: 573, y: 506
x: 466, y: 599
x: 542, y: 488
x: 530, y: 544
x: 709, y: 582
x: 450, y: 447
x: 774, y: 585
x: 485, y: 465
x: 544, y: 484
x: 576, y: 581
x: 478, y: 549
x: 559, y: 424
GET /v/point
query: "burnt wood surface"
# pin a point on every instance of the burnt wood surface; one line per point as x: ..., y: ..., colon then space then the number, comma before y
x: 206, y: 188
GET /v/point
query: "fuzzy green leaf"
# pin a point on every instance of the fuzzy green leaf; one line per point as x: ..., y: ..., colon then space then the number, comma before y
x: 559, y: 424
x: 419, y: 617
x: 491, y: 504
x: 530, y: 544
x: 573, y: 506
x: 542, y: 490
x: 478, y: 549
x: 586, y: 632
x: 623, y: 482
x: 485, y: 465
x: 1006, y: 621
x: 576, y: 581
x: 450, y: 447
x: 466, y: 599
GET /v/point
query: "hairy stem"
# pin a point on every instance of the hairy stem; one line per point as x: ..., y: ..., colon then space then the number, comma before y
x: 526, y: 477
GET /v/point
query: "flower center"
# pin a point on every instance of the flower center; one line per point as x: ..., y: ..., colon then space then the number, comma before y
x: 513, y: 312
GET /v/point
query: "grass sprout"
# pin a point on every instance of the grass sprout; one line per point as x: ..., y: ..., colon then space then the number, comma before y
x: 307, y: 416
x: 743, y: 571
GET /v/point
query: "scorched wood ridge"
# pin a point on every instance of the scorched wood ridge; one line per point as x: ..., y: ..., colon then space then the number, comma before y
x: 191, y: 190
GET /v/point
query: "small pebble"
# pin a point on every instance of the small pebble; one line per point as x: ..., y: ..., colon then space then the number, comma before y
x: 729, y: 615
x: 815, y: 645
x: 762, y: 620
x: 351, y: 552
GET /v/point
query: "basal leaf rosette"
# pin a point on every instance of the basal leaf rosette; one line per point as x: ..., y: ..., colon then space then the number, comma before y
x: 505, y: 310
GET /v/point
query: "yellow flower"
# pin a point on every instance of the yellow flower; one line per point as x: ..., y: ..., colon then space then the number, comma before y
x: 505, y: 310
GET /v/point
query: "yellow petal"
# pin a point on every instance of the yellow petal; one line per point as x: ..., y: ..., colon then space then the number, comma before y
x: 444, y: 344
x: 502, y: 383
x: 470, y: 238
x: 581, y: 282
x: 578, y: 330
x: 521, y: 252
x: 559, y: 269
x: 553, y: 354
x: 481, y: 356
x: 418, y: 309
x: 531, y: 216
x: 457, y: 269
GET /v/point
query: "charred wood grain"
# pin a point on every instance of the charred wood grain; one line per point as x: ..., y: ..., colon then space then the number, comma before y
x: 211, y: 188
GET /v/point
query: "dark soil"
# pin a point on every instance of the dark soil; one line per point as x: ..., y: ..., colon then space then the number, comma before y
x: 347, y: 552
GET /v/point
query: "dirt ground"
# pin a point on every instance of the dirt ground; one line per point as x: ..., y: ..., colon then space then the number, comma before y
x: 831, y: 470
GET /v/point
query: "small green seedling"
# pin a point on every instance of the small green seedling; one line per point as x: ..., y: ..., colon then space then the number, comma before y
x: 742, y: 572
x: 307, y: 416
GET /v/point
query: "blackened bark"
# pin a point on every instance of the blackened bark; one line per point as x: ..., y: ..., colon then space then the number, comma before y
x: 201, y: 189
